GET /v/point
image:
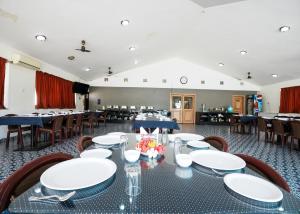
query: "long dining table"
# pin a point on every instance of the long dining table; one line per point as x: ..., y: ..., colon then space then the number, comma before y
x: 165, y: 188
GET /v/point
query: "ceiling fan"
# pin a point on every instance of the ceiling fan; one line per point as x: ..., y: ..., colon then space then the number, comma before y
x: 109, y: 73
x: 82, y: 49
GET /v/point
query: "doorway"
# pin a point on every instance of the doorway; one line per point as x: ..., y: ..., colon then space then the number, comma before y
x: 238, y: 104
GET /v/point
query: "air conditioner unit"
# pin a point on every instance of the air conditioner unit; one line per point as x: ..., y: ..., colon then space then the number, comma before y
x: 26, y: 61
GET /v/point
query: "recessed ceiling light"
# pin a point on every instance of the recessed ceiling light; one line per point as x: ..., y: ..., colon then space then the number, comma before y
x: 284, y: 28
x: 274, y: 75
x: 41, y: 37
x: 125, y: 22
x: 221, y: 64
x: 88, y: 69
x: 243, y: 52
x: 71, y: 57
x: 132, y: 48
x: 136, y: 62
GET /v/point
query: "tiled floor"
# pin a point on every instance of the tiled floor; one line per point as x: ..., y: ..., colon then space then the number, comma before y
x: 286, y: 162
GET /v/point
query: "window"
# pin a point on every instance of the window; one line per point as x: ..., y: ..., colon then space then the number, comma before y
x: 2, y: 80
x: 53, y: 91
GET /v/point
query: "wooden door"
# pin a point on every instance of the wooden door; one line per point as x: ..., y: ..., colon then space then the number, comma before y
x: 188, y: 111
x: 176, y: 107
x: 238, y: 104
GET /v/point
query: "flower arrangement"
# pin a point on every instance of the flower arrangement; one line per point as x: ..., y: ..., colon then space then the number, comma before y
x: 150, y: 147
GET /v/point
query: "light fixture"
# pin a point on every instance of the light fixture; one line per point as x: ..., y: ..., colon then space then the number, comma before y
x: 40, y: 37
x: 243, y: 52
x: 71, y: 58
x: 125, y: 22
x: 88, y: 69
x: 221, y: 64
x: 284, y: 28
x: 136, y: 62
x: 274, y: 75
x: 132, y: 48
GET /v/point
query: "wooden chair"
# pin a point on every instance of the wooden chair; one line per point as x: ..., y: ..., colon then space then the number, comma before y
x: 56, y: 127
x: 78, y: 124
x: 83, y: 143
x: 217, y: 142
x: 265, y: 171
x: 90, y: 121
x: 15, y: 129
x: 278, y: 129
x: 102, y: 118
x: 69, y: 126
x: 234, y: 124
x: 262, y: 126
x: 295, y: 132
x: 27, y: 176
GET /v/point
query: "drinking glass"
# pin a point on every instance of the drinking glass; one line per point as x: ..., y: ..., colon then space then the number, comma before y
x: 133, y: 179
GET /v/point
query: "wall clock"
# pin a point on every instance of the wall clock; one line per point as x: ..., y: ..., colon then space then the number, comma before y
x: 183, y: 80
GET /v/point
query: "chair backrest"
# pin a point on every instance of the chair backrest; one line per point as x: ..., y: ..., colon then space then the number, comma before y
x: 265, y: 170
x: 108, y: 107
x: 27, y: 176
x: 92, y: 117
x: 124, y: 107
x: 143, y: 107
x: 278, y: 126
x: 70, y: 120
x: 79, y: 120
x: 57, y: 123
x: 83, y: 143
x: 261, y: 124
x: 150, y: 107
x: 295, y: 128
x: 132, y: 107
x: 11, y: 127
x: 234, y: 119
x: 217, y: 142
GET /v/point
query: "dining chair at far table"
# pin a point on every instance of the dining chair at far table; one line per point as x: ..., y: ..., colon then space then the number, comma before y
x: 27, y: 176
x: 69, y: 126
x: 295, y: 133
x: 262, y: 126
x: 90, y: 122
x: 234, y: 123
x: 15, y: 129
x: 218, y: 142
x: 54, y: 128
x: 78, y: 124
x: 279, y: 130
x: 265, y: 171
x: 102, y: 118
x: 83, y: 143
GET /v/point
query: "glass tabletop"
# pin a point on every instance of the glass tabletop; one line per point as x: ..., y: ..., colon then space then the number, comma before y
x: 153, y: 186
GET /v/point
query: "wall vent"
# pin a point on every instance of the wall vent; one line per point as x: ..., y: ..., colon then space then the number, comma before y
x: 145, y: 80
x: 221, y: 82
x: 125, y: 79
x: 202, y: 82
x: 105, y: 79
x: 164, y: 80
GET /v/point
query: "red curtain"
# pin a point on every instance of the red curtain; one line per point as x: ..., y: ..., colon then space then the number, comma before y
x: 290, y: 100
x: 53, y: 91
x: 2, y: 78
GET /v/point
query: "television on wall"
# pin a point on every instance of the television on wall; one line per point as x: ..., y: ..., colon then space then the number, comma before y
x: 80, y: 88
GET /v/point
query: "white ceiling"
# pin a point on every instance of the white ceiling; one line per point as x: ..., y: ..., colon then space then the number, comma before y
x: 160, y: 29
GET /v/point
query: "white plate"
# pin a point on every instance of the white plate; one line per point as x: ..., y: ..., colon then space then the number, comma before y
x: 117, y: 133
x: 253, y: 187
x: 107, y: 140
x: 96, y: 153
x: 78, y: 173
x: 185, y: 136
x: 198, y: 144
x: 218, y: 160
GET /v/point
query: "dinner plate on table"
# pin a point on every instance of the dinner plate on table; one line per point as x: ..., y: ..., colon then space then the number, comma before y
x: 78, y: 173
x: 107, y: 140
x: 185, y: 136
x: 253, y: 189
x: 217, y: 160
x: 96, y: 153
x: 197, y: 144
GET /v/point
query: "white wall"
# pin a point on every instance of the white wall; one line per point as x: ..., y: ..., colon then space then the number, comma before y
x: 20, y: 87
x: 271, y: 94
x: 172, y: 70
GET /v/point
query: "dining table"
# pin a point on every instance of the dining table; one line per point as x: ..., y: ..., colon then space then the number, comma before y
x: 151, y: 121
x: 164, y: 187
